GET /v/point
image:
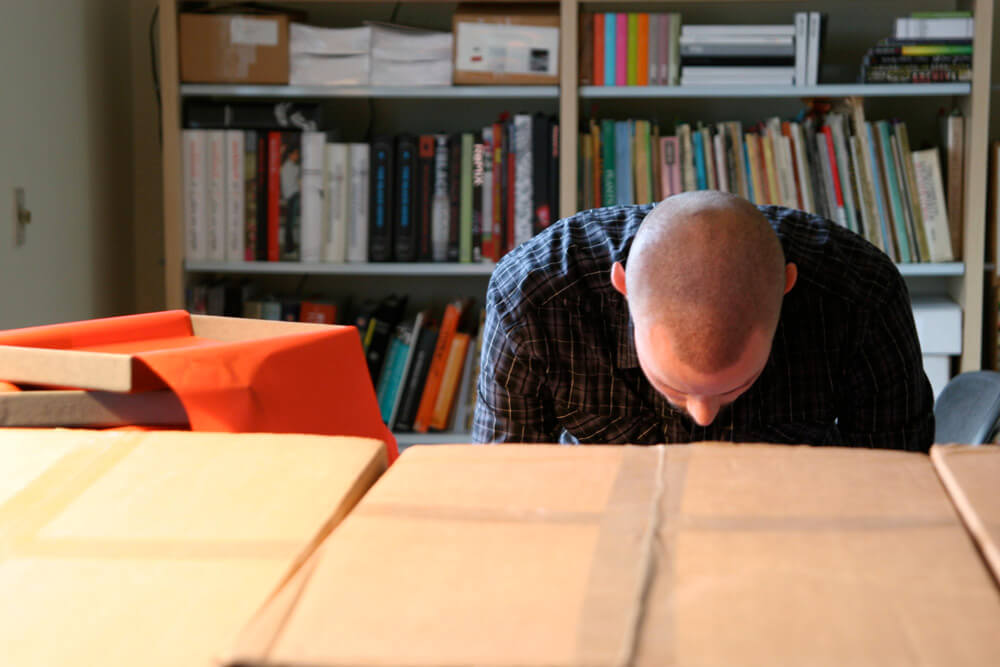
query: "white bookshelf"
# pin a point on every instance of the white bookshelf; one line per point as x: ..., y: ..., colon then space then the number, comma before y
x: 321, y: 92
x: 763, y: 91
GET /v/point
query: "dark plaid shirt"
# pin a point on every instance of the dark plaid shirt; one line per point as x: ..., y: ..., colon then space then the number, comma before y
x: 559, y: 361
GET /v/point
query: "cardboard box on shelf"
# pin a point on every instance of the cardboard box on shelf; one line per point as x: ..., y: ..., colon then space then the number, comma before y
x: 506, y: 44
x: 130, y: 548
x: 709, y: 554
x: 233, y: 48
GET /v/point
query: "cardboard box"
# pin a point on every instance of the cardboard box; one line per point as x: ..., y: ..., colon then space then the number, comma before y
x: 705, y: 554
x: 506, y: 44
x: 91, y: 409
x: 234, y: 48
x: 972, y: 477
x: 129, y: 548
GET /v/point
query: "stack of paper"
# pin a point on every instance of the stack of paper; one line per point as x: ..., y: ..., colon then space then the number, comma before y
x: 403, y: 56
x: 329, y: 56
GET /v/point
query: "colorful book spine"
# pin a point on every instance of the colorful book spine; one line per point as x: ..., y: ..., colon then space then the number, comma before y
x: 632, y: 52
x: 599, y: 36
x: 465, y: 202
x: 273, y: 195
x: 404, y: 233
x: 642, y: 50
x: 621, y: 49
x: 892, y: 185
x: 381, y: 206
x: 235, y: 196
x: 699, y: 161
x: 610, y: 49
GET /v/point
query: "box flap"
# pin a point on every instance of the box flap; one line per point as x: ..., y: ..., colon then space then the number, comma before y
x: 126, y: 548
x: 972, y: 477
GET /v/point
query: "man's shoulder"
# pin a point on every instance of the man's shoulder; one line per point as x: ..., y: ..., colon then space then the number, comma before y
x: 571, y: 258
x: 830, y: 258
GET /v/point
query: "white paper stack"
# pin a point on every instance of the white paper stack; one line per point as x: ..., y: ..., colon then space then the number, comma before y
x: 329, y: 56
x: 403, y: 56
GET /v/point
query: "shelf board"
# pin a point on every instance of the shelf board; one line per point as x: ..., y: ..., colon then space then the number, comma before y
x: 433, y: 92
x: 405, y: 440
x: 822, y: 90
x: 408, y: 269
x: 933, y: 269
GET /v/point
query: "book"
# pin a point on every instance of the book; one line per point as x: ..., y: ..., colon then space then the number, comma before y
x: 801, y: 48
x: 499, y: 189
x: 424, y: 199
x: 404, y: 233
x: 892, y: 187
x: 290, y: 189
x: 624, y: 192
x: 273, y: 196
x: 336, y: 202
x: 449, y: 325
x: 450, y: 378
x: 686, y: 157
x: 523, y: 194
x: 235, y: 163
x: 933, y: 206
x: 585, y: 47
x: 911, y: 206
x: 701, y: 181
x: 409, y: 334
x: 541, y: 141
x: 358, y: 196
x: 384, y: 320
x: 312, y: 188
x: 249, y: 195
x: 262, y: 236
x: 597, y: 77
x: 609, y: 185
x: 621, y: 49
x: 881, y: 193
x: 388, y: 380
x: 553, y: 158
x: 631, y: 53
x: 670, y: 177
x: 610, y: 48
x: 485, y: 207
x: 454, y: 197
x: 477, y: 176
x: 441, y: 202
x: 381, y: 206
x: 465, y: 205
x: 642, y: 49
x: 814, y: 48
x: 215, y: 211
x: 953, y: 145
x: 415, y: 376
x: 643, y: 174
x: 318, y: 312
x: 195, y: 186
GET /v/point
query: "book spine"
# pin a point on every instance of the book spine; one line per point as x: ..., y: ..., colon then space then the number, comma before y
x: 623, y: 164
x: 701, y: 183
x: 465, y: 200
x: 892, y: 185
x: 432, y: 385
x: 216, y: 212
x: 585, y: 39
x: 610, y: 49
x: 274, y: 196
x: 881, y: 196
x: 523, y: 184
x: 290, y: 211
x: 478, y: 189
x: 445, y: 402
x: 440, y: 204
x: 195, y: 195
x: 801, y: 48
x: 381, y: 201
x: 918, y: 253
x: 249, y: 228
x: 405, y: 231
x: 416, y: 379
x: 815, y: 32
x: 359, y: 162
x: 709, y: 150
x: 486, y: 208
x: 313, y: 157
x: 499, y: 178
x: 642, y: 49
x: 510, y: 184
x: 235, y: 196
x: 337, y: 202
x: 454, y: 197
x: 689, y: 174
x: 540, y: 142
x: 409, y: 335
x: 621, y: 49
x: 263, y: 196
x: 632, y: 51
x: 609, y: 186
x: 424, y: 198
x: 598, y: 74
x: 954, y: 146
x: 930, y: 193
x: 388, y: 380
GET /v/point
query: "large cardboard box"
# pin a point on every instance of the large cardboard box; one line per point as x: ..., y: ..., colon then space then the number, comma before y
x: 130, y: 548
x: 234, y: 48
x: 506, y: 44
x: 972, y: 477
x: 670, y: 555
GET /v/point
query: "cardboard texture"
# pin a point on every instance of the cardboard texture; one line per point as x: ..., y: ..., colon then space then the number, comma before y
x: 233, y: 48
x: 482, y: 15
x: 128, y: 548
x: 91, y: 409
x: 230, y: 374
x: 972, y: 477
x: 705, y: 554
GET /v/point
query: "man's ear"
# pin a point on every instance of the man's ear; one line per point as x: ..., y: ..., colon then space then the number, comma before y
x: 618, y: 277
x: 791, y: 275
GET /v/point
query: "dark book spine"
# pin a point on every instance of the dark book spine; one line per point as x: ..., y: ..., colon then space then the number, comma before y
x: 454, y: 195
x: 553, y: 155
x: 510, y: 159
x: 273, y: 196
x: 425, y: 197
x: 387, y: 316
x: 380, y: 210
x: 413, y: 387
x: 250, y: 195
x: 404, y: 232
x: 478, y: 176
x: 540, y: 140
x: 290, y: 217
x: 262, y: 199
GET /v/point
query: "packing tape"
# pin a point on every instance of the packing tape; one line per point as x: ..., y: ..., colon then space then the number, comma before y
x: 41, y: 500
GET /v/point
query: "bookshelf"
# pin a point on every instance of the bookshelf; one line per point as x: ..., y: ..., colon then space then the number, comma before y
x: 850, y: 30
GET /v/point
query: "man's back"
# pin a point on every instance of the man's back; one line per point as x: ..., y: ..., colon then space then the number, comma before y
x: 559, y: 360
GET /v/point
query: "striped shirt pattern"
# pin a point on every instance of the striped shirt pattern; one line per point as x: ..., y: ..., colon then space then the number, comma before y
x: 559, y: 362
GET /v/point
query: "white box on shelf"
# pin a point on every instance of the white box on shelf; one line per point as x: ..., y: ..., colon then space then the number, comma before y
x: 411, y: 73
x: 938, y: 370
x: 939, y: 324
x: 329, y: 41
x: 308, y: 69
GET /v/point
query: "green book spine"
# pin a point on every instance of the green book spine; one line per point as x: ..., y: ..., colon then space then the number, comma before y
x: 892, y: 183
x: 389, y: 380
x: 465, y: 206
x: 609, y: 186
x: 633, y: 49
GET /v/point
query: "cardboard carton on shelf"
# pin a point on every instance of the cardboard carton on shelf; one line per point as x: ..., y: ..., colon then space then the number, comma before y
x: 131, y: 548
x: 506, y: 44
x: 233, y: 48
x: 707, y: 554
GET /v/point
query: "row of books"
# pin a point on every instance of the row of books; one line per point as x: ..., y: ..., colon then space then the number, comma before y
x: 837, y: 164
x: 927, y: 47
x: 640, y: 49
x: 286, y: 195
x: 238, y: 299
x: 424, y: 368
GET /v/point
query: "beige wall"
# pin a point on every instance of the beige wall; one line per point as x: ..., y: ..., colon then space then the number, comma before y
x: 67, y: 113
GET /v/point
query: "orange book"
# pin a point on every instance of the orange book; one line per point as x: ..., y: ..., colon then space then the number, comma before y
x: 786, y: 130
x: 449, y: 381
x: 316, y: 311
x: 642, y: 57
x: 449, y: 325
x: 598, y: 77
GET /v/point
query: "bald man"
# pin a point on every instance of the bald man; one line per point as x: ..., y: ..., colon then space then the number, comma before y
x: 704, y: 318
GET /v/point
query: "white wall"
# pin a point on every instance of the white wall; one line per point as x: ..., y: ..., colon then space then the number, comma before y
x: 65, y: 135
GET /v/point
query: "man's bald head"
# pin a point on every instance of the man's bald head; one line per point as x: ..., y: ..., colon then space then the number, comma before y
x: 708, y: 269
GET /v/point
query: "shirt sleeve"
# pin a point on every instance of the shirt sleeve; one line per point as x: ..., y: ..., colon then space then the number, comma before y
x: 889, y: 402
x: 513, y: 404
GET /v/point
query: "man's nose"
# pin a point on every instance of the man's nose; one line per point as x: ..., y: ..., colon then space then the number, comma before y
x: 703, y: 410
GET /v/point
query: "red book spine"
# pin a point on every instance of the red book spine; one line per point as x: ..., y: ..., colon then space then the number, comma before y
x: 498, y: 242
x: 598, y: 49
x: 273, y: 194
x: 833, y: 166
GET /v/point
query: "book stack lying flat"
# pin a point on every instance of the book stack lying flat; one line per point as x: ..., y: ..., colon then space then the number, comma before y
x: 750, y: 54
x: 928, y: 47
x: 404, y: 56
x: 329, y: 56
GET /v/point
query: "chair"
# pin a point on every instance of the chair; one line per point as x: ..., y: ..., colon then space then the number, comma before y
x: 968, y: 409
